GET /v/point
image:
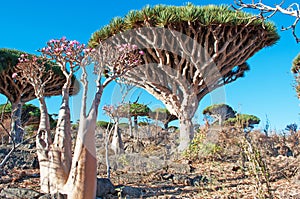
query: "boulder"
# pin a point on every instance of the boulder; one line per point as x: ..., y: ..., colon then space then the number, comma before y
x: 15, y: 193
x: 104, y: 187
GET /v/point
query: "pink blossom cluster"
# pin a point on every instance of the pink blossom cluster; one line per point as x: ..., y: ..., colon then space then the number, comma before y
x: 119, y: 59
x: 66, y: 51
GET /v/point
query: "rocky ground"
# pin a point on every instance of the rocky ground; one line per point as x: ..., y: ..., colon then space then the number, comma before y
x: 157, y: 171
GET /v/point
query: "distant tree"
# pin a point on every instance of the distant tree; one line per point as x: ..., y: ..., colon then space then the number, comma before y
x: 219, y: 113
x: 163, y: 115
x: 134, y: 110
x: 103, y: 124
x: 292, y: 128
x: 244, y: 121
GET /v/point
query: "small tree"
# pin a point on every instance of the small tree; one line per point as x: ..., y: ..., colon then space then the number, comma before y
x: 244, y: 121
x: 57, y: 174
x: 163, y: 115
x: 292, y: 128
x: 219, y: 113
x: 134, y: 110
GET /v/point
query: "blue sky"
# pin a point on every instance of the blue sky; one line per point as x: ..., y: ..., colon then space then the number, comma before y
x: 265, y: 90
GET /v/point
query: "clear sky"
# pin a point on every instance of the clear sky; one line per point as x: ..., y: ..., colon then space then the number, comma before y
x: 267, y: 89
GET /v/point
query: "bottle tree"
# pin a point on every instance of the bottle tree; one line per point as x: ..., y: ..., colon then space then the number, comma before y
x: 19, y: 93
x: 62, y: 172
x: 189, y: 52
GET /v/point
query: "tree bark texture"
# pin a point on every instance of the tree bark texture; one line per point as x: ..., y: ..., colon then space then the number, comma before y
x: 16, y: 123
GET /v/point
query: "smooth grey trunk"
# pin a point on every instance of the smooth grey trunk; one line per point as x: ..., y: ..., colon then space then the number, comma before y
x: 43, y: 143
x: 117, y: 144
x: 107, y: 136
x: 82, y: 180
x: 16, y: 123
x: 186, y: 133
x: 62, y: 143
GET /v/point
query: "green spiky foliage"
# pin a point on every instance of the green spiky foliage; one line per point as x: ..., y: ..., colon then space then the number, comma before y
x: 296, y: 71
x: 243, y: 120
x: 171, y: 16
x: 23, y: 92
x: 137, y: 109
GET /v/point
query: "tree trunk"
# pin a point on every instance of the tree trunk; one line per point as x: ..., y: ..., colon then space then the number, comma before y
x: 186, y: 133
x: 166, y: 125
x: 43, y: 143
x: 62, y: 144
x: 82, y: 180
x: 135, y: 123
x: 117, y: 143
x: 16, y: 123
x: 130, y: 126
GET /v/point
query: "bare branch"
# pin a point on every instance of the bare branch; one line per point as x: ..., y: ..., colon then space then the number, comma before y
x: 266, y: 12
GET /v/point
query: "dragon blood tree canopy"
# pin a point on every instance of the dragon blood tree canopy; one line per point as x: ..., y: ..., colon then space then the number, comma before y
x: 189, y: 51
x: 23, y: 92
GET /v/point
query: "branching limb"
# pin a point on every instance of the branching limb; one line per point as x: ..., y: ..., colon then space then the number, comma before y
x: 266, y: 12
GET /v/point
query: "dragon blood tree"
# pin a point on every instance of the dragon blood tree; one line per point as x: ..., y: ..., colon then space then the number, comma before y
x: 189, y: 51
x: 61, y: 172
x: 18, y: 93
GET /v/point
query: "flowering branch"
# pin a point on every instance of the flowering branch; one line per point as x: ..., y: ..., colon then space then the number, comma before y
x: 113, y: 62
x: 32, y: 69
x: 267, y: 12
x: 66, y: 53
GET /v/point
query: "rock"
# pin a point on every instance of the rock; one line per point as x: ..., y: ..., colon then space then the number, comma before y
x: 182, y: 179
x: 19, y: 193
x: 53, y: 196
x: 104, y: 187
x: 199, y: 180
x: 127, y: 191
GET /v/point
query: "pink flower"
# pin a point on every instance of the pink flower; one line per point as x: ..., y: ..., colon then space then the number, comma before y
x: 63, y: 38
x: 134, y: 46
x: 56, y: 50
x: 69, y: 53
x: 34, y: 58
x: 141, y: 52
x: 22, y: 55
x: 14, y: 75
